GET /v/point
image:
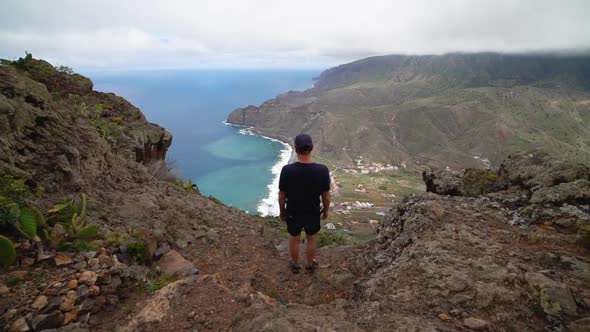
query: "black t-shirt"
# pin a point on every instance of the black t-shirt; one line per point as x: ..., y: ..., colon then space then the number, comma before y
x: 304, y: 183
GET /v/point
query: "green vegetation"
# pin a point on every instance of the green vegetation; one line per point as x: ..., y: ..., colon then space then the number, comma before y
x: 77, y: 245
x: 7, y: 251
x: 584, y: 236
x: 65, y: 70
x: 327, y: 238
x: 273, y: 293
x: 138, y: 251
x: 189, y: 186
x: 156, y: 281
x: 115, y: 239
x: 478, y: 182
x: 215, y: 200
x: 118, y: 120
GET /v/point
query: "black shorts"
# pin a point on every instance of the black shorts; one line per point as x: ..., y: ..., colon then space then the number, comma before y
x: 309, y: 222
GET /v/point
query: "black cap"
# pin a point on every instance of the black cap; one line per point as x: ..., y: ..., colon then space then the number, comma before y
x: 303, y: 142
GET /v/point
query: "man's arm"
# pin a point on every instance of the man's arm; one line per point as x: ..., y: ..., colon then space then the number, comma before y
x: 282, y: 201
x: 326, y: 203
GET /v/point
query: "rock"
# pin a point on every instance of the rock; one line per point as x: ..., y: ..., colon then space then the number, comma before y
x: 555, y: 298
x: 4, y: 290
x: 10, y: 313
x: 444, y: 316
x: 80, y: 266
x: 172, y: 263
x: 581, y: 325
x: 73, y: 284
x: 19, y: 325
x: 70, y: 316
x: 212, y: 235
x: 112, y: 299
x: 162, y: 249
x: 476, y: 323
x: 20, y: 275
x: 88, y: 278
x: 74, y: 327
x: 104, y: 260
x: 103, y: 278
x: 61, y: 260
x: 39, y: 303
x: 53, y: 303
x: 49, y: 321
x: 28, y: 261
x: 113, y: 285
x: 88, y: 254
x: 83, y: 291
x: 68, y: 302
x: 94, y: 291
x: 51, y: 292
x: 93, y: 262
x: 58, y: 233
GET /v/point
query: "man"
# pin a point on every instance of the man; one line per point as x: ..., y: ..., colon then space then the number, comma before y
x: 300, y: 186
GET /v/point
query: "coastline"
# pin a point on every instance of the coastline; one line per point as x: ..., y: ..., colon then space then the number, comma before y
x: 269, y: 205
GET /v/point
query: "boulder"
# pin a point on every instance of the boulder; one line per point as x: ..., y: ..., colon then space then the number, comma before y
x: 172, y: 263
x: 49, y: 321
x: 554, y: 297
x: 39, y: 303
x: 88, y: 278
x: 68, y: 302
x: 19, y: 325
x: 476, y: 323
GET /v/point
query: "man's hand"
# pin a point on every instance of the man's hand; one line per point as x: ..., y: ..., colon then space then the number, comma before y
x: 282, y: 201
x: 326, y: 204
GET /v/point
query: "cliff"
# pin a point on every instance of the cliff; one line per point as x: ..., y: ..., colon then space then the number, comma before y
x: 437, y: 110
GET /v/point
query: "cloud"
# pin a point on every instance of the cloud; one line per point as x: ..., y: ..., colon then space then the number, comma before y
x: 264, y: 33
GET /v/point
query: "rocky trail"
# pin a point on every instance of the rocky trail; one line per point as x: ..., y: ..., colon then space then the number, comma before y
x: 235, y: 272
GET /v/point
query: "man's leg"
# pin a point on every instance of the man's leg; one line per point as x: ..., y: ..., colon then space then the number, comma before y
x: 294, y: 248
x: 311, y: 247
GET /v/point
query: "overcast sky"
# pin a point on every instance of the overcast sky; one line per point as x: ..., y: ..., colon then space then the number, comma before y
x: 280, y: 34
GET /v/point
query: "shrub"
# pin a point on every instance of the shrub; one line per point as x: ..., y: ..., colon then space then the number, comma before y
x: 118, y: 120
x: 162, y: 170
x: 138, y: 251
x: 215, y: 200
x: 65, y: 70
x: 478, y: 182
x: 326, y: 238
x: 382, y: 187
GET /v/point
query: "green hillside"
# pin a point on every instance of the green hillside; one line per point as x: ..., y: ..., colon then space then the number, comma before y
x: 454, y: 109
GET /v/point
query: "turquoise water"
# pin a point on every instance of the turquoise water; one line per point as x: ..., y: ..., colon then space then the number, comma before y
x: 192, y: 105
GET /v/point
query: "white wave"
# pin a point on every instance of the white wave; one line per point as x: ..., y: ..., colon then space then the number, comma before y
x: 269, y: 206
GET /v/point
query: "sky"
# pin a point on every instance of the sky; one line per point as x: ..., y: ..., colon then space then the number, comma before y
x: 139, y: 34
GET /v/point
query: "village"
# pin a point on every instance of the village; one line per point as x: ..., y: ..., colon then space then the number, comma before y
x: 363, y: 194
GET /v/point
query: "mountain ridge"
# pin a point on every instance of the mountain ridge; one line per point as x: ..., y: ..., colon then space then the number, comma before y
x: 440, y: 110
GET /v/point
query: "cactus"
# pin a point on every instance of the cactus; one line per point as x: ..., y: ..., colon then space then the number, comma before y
x: 7, y: 252
x: 87, y: 232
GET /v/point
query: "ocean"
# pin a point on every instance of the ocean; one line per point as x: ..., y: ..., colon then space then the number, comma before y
x: 229, y: 162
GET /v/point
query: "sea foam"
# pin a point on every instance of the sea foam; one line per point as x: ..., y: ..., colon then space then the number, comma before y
x: 269, y: 206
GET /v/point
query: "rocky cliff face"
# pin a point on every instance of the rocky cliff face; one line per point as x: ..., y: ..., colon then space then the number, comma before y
x: 437, y: 110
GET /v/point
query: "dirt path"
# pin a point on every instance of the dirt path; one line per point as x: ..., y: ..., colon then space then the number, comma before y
x: 238, y: 270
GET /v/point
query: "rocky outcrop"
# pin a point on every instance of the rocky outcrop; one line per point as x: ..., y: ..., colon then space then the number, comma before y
x: 495, y: 257
x: 61, y: 135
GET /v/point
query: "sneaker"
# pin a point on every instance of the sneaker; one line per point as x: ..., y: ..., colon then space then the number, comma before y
x: 312, y: 267
x: 295, y: 267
